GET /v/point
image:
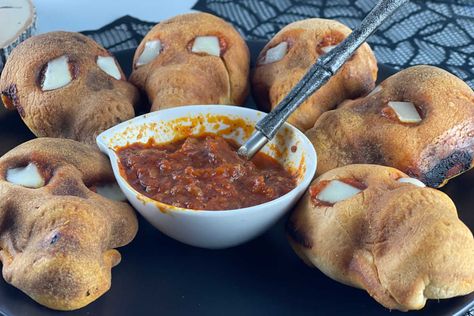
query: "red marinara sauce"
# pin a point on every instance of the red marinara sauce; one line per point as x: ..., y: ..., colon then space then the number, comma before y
x: 203, y: 173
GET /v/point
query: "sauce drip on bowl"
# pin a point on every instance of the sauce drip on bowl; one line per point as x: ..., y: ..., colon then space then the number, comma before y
x: 203, y: 173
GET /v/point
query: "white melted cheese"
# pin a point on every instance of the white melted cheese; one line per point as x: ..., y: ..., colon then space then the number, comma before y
x: 413, y: 181
x: 57, y: 74
x: 327, y: 49
x: 109, y: 66
x: 406, y: 111
x: 207, y: 44
x: 276, y: 53
x: 337, y: 191
x: 28, y: 176
x: 151, y: 50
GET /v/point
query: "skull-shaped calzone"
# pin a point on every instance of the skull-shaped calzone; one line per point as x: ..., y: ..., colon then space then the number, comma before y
x: 420, y: 121
x: 65, y: 85
x: 194, y: 58
x: 61, y: 218
x: 290, y: 54
x: 374, y: 228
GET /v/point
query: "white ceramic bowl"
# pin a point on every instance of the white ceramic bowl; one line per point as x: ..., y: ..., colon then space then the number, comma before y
x: 211, y: 229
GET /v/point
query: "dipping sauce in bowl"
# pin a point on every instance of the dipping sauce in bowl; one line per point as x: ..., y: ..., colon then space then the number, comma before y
x: 203, y: 173
x: 174, y: 157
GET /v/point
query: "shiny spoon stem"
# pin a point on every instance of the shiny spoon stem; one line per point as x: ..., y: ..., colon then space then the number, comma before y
x: 319, y: 73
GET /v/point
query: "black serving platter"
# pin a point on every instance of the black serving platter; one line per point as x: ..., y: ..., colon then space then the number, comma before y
x: 160, y: 276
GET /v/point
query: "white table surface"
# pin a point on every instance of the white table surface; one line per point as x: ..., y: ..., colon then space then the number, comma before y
x: 81, y: 15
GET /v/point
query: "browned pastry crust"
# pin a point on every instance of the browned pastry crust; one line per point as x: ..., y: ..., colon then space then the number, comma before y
x: 401, y: 243
x: 179, y: 77
x: 92, y: 102
x: 271, y: 82
x: 57, y: 242
x: 438, y: 148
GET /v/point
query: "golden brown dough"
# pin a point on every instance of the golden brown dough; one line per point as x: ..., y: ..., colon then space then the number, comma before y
x: 307, y: 40
x: 367, y: 130
x: 401, y: 243
x: 57, y: 240
x: 78, y: 107
x: 178, y: 76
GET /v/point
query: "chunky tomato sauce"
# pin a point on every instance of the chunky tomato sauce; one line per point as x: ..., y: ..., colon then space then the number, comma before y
x: 203, y: 173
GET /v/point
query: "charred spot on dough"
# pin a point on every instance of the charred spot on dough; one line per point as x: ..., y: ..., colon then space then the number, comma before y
x: 98, y: 83
x: 448, y: 167
x: 8, y: 96
x: 73, y: 68
x: 40, y: 75
x: 92, y: 291
x: 11, y: 100
x: 69, y: 187
x: 367, y: 152
x: 298, y: 235
x: 54, y: 238
x: 10, y: 219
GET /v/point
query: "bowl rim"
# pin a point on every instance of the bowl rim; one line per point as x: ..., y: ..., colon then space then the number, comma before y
x: 158, y: 205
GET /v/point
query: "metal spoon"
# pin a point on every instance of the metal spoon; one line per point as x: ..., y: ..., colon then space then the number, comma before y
x: 319, y: 73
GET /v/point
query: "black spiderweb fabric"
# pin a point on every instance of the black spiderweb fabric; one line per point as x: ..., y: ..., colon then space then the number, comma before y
x: 122, y: 34
x: 422, y: 32
x: 436, y: 32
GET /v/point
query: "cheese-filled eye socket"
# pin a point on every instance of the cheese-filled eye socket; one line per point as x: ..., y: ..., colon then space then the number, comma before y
x: 275, y: 53
x: 28, y: 176
x: 111, y: 191
x: 109, y: 66
x: 56, y: 74
x: 413, y: 181
x: 150, y: 51
x: 328, y: 193
x: 207, y: 44
x: 406, y: 112
x: 327, y: 49
x: 337, y: 191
